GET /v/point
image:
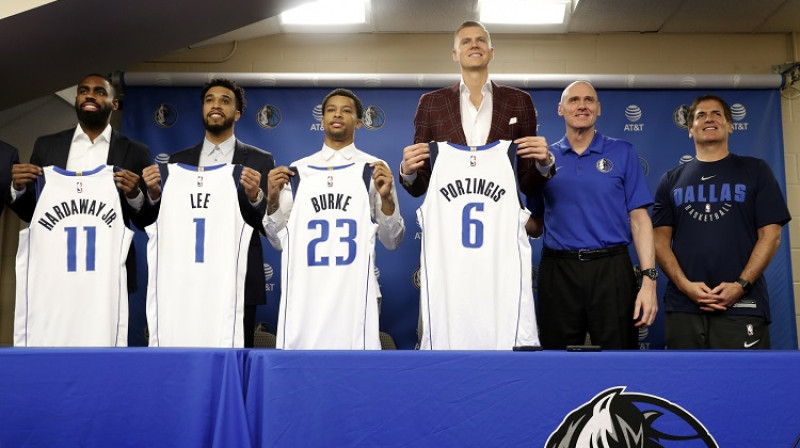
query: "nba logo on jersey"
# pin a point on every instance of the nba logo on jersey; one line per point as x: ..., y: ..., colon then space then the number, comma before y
x: 79, y: 187
x: 199, y: 181
x: 473, y: 160
x: 330, y: 181
x: 708, y: 208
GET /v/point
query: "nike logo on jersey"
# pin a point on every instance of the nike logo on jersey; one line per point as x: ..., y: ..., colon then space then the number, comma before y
x: 750, y: 344
x: 705, y: 178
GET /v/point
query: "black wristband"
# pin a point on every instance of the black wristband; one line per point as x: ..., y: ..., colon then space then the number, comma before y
x: 747, y: 286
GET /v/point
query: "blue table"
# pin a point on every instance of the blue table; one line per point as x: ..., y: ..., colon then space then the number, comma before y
x: 505, y: 399
x: 122, y: 398
x: 269, y: 398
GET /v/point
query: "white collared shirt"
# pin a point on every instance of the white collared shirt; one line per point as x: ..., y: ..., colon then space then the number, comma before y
x: 224, y: 155
x: 391, y: 229
x: 84, y: 154
x: 476, y: 121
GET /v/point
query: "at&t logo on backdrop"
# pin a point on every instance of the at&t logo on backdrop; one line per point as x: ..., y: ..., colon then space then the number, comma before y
x: 317, y: 114
x: 633, y: 114
x: 739, y: 112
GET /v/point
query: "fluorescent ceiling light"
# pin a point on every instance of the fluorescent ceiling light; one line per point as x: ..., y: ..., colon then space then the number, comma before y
x: 524, y: 12
x: 327, y: 12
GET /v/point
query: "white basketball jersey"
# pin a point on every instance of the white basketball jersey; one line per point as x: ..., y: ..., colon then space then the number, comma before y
x: 475, y: 262
x: 72, y: 288
x: 328, y: 297
x: 197, y: 258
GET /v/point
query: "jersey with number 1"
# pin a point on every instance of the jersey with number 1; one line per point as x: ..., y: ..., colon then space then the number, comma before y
x: 328, y: 295
x: 197, y: 259
x: 475, y: 262
x: 71, y: 277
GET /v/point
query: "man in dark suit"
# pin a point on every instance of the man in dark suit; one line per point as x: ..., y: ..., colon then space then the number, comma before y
x: 8, y: 158
x: 91, y: 144
x: 474, y: 112
x: 223, y: 103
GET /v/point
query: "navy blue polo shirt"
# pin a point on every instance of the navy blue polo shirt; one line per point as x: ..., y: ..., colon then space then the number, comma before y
x: 586, y: 205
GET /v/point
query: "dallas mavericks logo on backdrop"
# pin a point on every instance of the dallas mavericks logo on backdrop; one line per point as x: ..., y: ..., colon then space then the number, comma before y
x: 645, y: 165
x: 268, y: 117
x: 615, y: 418
x: 374, y: 118
x: 165, y: 115
x: 604, y: 165
x: 738, y: 113
x: 681, y: 116
x: 415, y: 278
x: 633, y: 113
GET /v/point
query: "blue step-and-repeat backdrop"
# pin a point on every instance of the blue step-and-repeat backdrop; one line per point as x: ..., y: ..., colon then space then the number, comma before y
x: 286, y: 121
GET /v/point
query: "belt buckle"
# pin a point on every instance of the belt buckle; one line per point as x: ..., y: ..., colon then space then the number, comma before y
x: 583, y: 255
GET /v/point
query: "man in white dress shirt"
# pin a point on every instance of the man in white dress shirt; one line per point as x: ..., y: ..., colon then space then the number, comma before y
x: 342, y: 115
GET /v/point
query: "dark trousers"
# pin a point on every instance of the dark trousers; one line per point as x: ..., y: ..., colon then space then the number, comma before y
x: 577, y: 297
x: 249, y: 325
x: 687, y: 331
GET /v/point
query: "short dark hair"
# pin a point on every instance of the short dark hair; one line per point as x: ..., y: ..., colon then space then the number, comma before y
x: 349, y: 94
x: 113, y: 93
x: 709, y: 97
x: 238, y: 92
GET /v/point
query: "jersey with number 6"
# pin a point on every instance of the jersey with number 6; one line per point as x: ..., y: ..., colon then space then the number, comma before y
x: 328, y: 296
x: 197, y: 259
x: 71, y: 277
x: 475, y: 261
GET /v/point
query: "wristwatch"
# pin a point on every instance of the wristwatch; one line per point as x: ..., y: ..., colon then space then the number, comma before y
x: 747, y: 286
x: 259, y: 196
x: 652, y: 273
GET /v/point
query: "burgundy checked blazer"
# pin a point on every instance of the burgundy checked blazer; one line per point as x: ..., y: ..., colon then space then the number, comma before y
x: 438, y: 119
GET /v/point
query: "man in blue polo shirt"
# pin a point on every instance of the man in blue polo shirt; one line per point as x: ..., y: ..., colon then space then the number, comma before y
x: 589, y: 213
x: 718, y: 224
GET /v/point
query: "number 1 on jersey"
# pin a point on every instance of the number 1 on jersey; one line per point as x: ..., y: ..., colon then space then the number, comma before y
x: 199, y: 239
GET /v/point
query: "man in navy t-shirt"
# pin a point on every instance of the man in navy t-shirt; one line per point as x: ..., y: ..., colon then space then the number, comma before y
x: 717, y: 223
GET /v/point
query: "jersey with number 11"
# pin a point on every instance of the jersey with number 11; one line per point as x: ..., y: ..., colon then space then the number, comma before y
x: 71, y: 276
x: 197, y: 259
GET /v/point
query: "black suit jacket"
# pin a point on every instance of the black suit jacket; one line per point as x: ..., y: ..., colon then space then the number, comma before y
x: 8, y: 156
x: 261, y: 161
x: 438, y: 119
x: 122, y: 152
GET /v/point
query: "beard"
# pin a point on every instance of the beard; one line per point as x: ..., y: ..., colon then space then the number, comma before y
x: 216, y: 128
x: 94, y: 118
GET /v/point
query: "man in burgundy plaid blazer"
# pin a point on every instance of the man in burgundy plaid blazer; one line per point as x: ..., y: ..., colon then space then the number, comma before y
x: 496, y: 112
